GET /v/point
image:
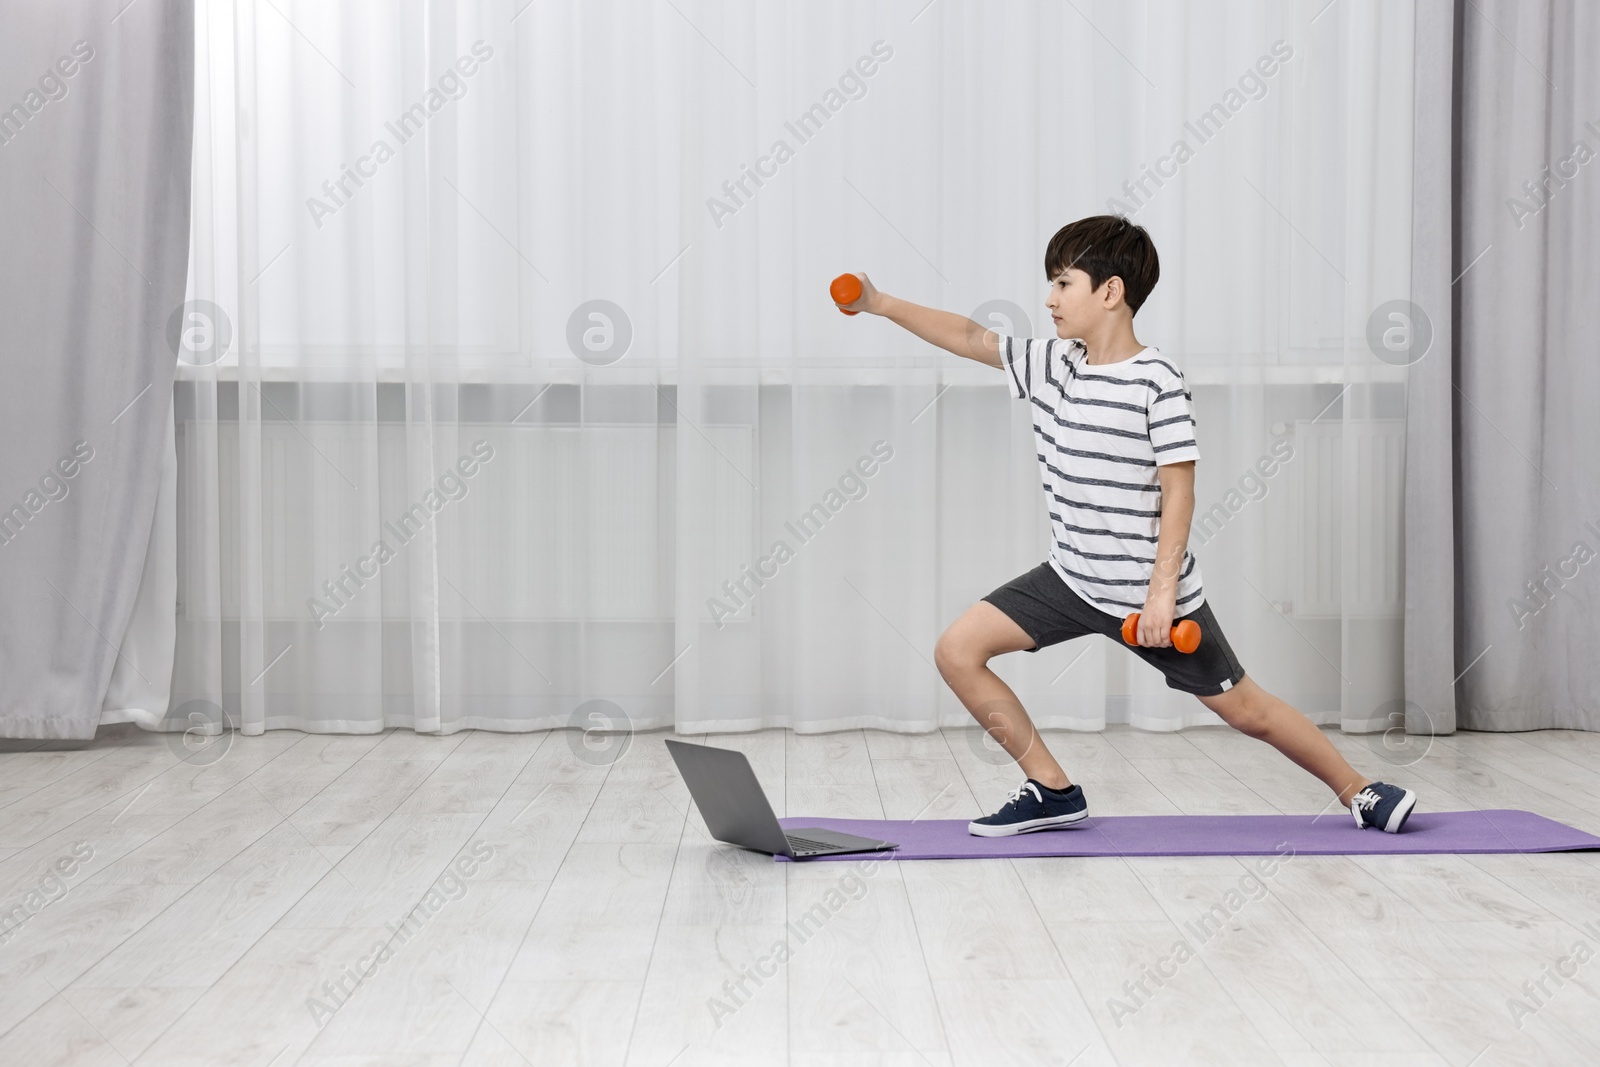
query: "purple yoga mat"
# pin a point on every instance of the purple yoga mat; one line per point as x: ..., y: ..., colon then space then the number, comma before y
x: 1331, y: 834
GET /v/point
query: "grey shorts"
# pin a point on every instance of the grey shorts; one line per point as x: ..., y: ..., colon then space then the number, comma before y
x: 1050, y: 612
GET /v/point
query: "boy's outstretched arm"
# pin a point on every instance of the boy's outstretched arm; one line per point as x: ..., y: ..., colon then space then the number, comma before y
x: 951, y: 332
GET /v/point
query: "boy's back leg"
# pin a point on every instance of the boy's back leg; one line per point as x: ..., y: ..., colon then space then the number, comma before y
x: 962, y: 655
x: 1252, y: 710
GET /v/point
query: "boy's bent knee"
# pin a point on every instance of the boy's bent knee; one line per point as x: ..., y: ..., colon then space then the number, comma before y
x: 980, y: 634
x: 962, y: 650
x: 956, y: 653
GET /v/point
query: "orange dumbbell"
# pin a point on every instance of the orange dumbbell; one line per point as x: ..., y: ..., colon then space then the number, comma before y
x: 846, y: 289
x: 1185, y: 635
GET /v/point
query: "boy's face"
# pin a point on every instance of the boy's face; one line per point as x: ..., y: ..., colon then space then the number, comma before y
x: 1076, y: 306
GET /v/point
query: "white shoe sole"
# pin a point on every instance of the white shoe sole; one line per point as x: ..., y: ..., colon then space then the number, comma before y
x: 1013, y: 829
x: 1397, y: 817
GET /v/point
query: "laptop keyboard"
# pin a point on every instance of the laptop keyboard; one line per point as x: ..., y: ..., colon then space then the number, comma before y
x: 802, y: 845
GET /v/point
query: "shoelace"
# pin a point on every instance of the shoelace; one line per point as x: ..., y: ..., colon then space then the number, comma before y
x: 1025, y: 787
x: 1364, y: 799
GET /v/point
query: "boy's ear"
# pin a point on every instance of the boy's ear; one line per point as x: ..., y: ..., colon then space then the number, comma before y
x: 1115, y: 291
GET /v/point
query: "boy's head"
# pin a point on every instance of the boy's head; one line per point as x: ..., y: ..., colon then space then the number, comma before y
x: 1100, y: 266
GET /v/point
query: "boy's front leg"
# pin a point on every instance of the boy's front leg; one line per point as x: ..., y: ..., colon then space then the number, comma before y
x: 1048, y: 801
x: 1008, y: 723
x: 962, y: 655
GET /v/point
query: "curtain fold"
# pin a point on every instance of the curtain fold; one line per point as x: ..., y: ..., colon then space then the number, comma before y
x: 1430, y: 519
x: 140, y: 689
x: 534, y: 410
x: 95, y: 132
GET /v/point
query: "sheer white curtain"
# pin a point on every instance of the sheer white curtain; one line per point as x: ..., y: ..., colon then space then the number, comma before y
x: 535, y: 410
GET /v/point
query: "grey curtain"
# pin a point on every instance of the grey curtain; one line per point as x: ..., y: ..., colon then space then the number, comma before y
x: 1514, y: 594
x: 96, y: 112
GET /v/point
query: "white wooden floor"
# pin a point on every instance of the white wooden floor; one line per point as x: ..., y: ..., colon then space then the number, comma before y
x: 207, y: 911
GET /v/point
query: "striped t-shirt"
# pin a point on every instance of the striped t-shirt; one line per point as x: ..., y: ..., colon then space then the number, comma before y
x: 1101, y: 431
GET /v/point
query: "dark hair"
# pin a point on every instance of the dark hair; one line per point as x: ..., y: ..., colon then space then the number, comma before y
x: 1103, y: 247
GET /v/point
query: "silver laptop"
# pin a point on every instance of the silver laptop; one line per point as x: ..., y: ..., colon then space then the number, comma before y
x: 735, y: 808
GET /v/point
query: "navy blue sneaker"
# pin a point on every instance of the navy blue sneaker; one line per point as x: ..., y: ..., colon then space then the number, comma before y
x: 1383, y: 805
x: 1031, y: 807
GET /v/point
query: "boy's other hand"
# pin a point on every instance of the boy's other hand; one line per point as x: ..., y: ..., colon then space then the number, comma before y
x: 1155, y: 621
x: 870, y: 300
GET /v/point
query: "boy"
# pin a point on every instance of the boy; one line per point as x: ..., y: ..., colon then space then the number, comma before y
x: 1117, y: 450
